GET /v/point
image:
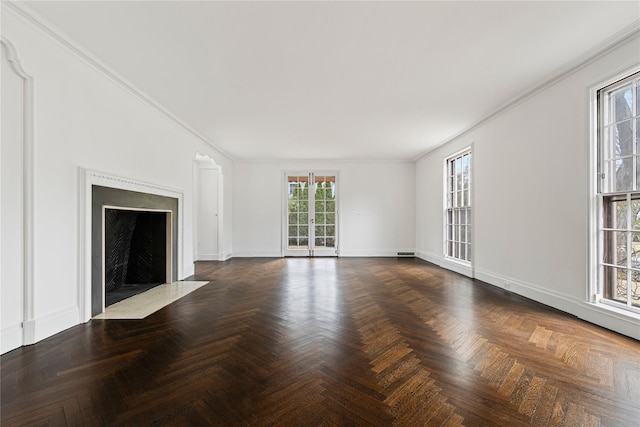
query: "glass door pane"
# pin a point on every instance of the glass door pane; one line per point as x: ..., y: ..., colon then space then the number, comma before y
x: 298, y: 214
x: 311, y: 215
x: 324, y: 242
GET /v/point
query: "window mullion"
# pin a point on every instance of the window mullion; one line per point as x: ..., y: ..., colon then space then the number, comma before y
x: 634, y: 134
x: 629, y: 250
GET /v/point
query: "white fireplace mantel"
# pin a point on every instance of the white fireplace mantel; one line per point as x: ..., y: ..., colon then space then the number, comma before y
x: 88, y: 178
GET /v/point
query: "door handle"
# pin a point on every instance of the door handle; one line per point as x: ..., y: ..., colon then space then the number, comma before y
x: 313, y: 220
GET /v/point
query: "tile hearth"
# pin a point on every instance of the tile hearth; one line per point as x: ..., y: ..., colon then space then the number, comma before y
x: 142, y: 305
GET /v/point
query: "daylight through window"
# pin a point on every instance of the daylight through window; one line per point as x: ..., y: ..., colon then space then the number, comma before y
x: 619, y: 170
x: 458, y: 207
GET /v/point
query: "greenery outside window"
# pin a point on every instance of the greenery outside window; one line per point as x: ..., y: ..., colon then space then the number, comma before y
x: 619, y: 193
x: 458, y: 207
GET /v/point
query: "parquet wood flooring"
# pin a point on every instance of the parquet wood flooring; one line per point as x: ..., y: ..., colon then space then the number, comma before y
x: 329, y: 341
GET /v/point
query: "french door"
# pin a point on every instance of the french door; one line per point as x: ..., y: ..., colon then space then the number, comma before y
x: 311, y: 214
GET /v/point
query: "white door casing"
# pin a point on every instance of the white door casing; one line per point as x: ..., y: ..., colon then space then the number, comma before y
x: 310, y: 214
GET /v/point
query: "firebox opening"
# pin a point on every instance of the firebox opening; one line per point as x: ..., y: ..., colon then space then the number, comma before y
x: 137, y: 252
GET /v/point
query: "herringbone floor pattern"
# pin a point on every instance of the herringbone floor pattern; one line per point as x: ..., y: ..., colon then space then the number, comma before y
x: 310, y: 342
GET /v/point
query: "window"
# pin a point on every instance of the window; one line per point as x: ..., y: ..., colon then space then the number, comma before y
x: 458, y: 207
x: 618, y: 109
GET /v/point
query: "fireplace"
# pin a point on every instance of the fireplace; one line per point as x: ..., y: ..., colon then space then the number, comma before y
x: 134, y: 244
x: 137, y: 251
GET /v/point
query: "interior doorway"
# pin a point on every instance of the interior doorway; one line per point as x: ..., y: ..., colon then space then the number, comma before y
x: 311, y: 214
x: 208, y: 209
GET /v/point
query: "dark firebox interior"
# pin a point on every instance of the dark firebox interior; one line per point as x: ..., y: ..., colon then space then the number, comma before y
x: 135, y: 252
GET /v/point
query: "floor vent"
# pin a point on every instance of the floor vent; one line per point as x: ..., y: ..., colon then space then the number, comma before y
x: 409, y: 254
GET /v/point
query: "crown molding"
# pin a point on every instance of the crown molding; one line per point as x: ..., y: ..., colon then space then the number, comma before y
x: 590, y: 56
x: 331, y: 161
x: 74, y: 47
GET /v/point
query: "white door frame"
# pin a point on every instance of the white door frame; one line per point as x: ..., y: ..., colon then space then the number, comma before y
x: 203, y: 161
x: 311, y: 251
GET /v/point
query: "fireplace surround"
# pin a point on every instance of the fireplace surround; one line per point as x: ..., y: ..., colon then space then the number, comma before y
x: 134, y: 206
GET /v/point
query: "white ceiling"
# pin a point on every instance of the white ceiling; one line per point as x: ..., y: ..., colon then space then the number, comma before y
x: 336, y: 80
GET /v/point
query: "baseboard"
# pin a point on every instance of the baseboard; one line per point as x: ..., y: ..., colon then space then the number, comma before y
x: 32, y: 331
x: 187, y: 271
x: 429, y: 257
x: 458, y: 267
x: 10, y: 338
x: 208, y: 257
x: 343, y: 253
x: 51, y: 324
x: 439, y: 260
x: 615, y: 320
x: 214, y: 257
x: 604, y: 316
x: 545, y: 296
x: 610, y: 318
x: 374, y: 252
x: 256, y: 254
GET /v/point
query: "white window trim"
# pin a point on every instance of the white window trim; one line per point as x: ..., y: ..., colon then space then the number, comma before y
x: 445, y: 189
x: 594, y: 288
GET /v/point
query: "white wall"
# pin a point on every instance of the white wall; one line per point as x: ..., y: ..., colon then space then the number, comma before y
x: 531, y: 197
x: 530, y: 193
x: 12, y: 202
x: 376, y: 206
x: 85, y: 119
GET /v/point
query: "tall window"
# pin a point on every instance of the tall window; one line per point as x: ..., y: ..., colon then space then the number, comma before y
x: 619, y: 190
x: 458, y: 207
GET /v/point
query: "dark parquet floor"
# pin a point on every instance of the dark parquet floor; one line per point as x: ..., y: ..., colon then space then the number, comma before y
x: 309, y: 342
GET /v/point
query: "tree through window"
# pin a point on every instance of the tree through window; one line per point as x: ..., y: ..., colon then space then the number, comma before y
x: 619, y: 170
x: 458, y: 209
